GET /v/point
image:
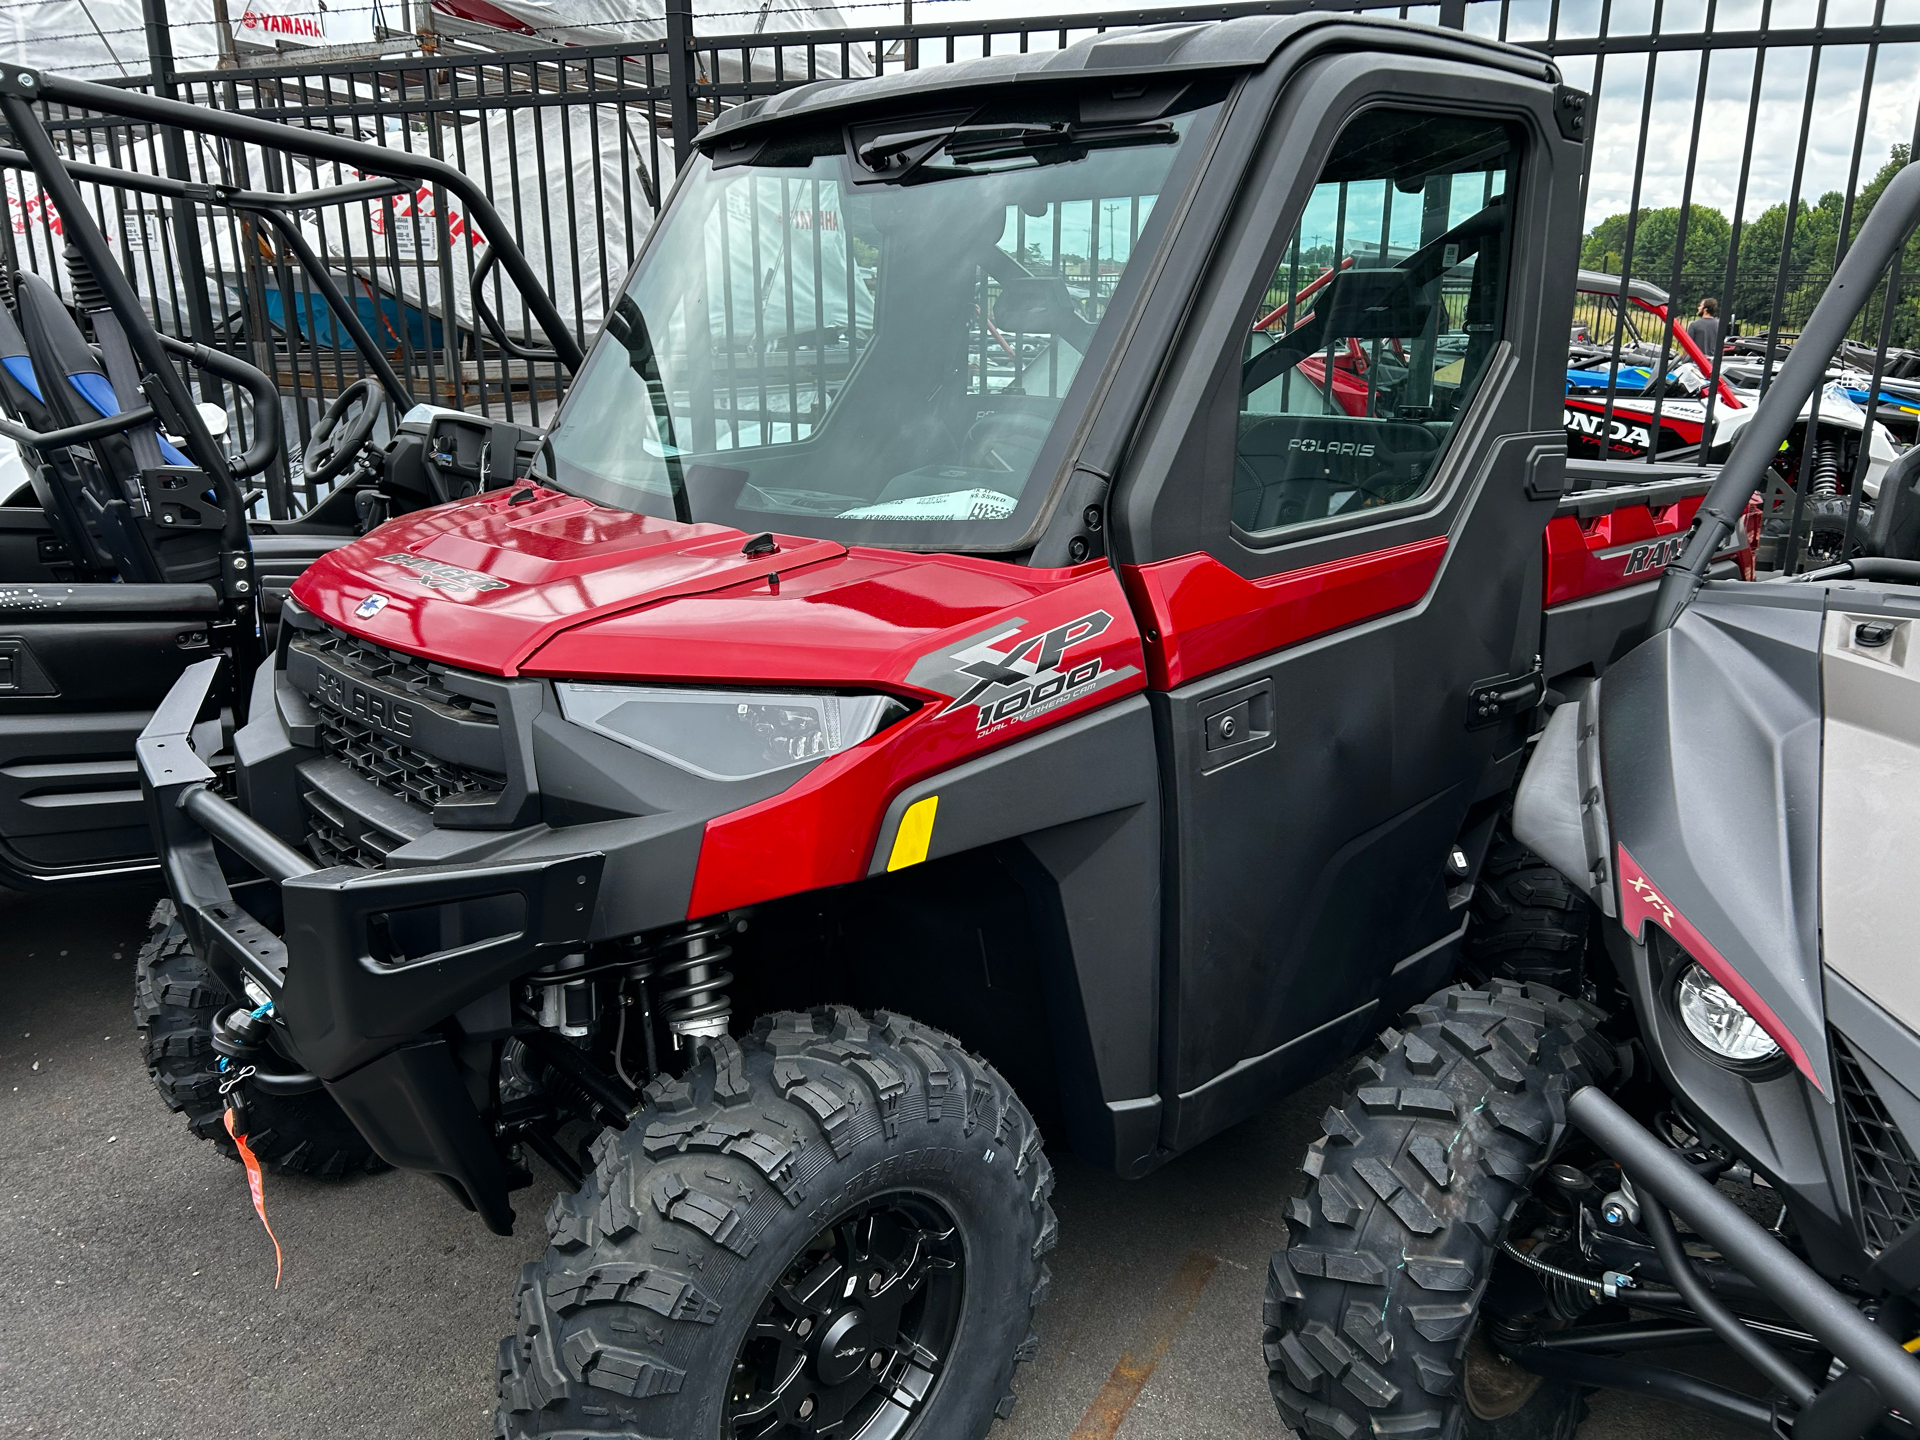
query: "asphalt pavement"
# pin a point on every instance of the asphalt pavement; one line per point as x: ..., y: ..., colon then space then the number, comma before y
x: 137, y: 1298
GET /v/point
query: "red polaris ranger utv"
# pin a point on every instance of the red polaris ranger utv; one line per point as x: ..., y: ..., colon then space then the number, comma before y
x: 945, y: 593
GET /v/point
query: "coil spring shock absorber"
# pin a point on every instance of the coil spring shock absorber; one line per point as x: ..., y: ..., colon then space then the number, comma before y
x: 689, y: 966
x: 1826, y: 468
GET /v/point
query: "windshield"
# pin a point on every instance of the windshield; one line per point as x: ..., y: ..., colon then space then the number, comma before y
x: 815, y: 349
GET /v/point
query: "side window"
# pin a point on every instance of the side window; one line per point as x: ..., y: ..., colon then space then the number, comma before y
x: 1376, y: 328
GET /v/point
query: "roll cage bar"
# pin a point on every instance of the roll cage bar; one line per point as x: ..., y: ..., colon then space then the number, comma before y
x: 269, y: 207
x: 168, y: 400
x: 1879, y: 244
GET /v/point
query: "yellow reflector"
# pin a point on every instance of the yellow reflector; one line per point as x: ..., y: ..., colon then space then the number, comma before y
x: 915, y: 834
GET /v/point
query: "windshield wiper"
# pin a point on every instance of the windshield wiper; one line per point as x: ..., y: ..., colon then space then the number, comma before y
x: 966, y: 143
x: 629, y: 327
x: 1016, y: 140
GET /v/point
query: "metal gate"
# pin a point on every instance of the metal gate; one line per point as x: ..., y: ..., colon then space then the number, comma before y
x: 1735, y: 147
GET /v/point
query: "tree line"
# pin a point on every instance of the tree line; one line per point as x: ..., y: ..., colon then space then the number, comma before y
x: 1760, y: 291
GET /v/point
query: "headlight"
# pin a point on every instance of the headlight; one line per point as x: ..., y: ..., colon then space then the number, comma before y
x: 727, y: 734
x: 1718, y: 1021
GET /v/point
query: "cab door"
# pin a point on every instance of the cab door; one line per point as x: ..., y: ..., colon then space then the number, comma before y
x: 1331, y: 531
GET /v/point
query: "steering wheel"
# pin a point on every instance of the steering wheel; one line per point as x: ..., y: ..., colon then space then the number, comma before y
x: 1007, y: 440
x: 336, y: 440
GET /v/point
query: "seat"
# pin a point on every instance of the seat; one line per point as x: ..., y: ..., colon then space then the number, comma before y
x: 137, y: 497
x: 1894, y: 532
x: 54, y: 475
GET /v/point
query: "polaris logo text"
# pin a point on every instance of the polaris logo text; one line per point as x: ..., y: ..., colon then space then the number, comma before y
x: 1031, y: 677
x: 1582, y: 423
x: 1329, y: 447
x: 438, y: 575
x: 380, y: 711
x: 1656, y: 556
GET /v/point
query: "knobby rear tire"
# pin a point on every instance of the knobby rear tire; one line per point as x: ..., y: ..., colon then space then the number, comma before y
x: 1529, y: 922
x: 1443, y: 1128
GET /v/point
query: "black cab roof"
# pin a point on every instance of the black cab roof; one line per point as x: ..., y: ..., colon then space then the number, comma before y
x: 1155, y: 51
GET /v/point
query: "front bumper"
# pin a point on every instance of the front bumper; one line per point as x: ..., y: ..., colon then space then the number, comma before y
x: 358, y: 1005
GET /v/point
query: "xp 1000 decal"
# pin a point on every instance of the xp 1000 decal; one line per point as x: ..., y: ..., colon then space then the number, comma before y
x: 1014, y: 673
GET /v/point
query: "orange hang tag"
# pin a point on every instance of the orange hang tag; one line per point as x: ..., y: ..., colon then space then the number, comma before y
x: 258, y: 1191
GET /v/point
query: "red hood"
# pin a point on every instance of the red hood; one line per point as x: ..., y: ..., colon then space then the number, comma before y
x: 867, y: 617
x: 480, y: 584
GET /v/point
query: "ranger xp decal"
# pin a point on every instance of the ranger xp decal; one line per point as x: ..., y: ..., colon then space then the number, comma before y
x: 1656, y: 556
x: 1009, y: 675
x: 438, y: 575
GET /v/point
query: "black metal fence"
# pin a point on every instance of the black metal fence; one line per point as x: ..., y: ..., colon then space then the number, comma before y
x: 1736, y: 147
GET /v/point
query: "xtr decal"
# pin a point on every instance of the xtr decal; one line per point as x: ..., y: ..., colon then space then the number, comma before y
x: 438, y: 575
x: 1008, y: 676
x: 1642, y: 901
x: 1622, y: 433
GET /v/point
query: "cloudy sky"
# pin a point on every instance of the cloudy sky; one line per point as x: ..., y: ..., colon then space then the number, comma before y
x: 28, y: 27
x: 1724, y: 115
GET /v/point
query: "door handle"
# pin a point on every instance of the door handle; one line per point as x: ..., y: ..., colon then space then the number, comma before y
x: 1235, y: 725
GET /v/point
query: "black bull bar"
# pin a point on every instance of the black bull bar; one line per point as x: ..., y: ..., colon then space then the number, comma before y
x: 348, y: 1007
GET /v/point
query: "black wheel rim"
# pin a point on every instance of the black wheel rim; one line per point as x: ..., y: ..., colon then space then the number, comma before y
x: 856, y: 1334
x: 1823, y: 547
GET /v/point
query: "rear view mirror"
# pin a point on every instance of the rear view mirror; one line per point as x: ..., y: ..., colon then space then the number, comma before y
x: 1036, y: 305
x: 1373, y: 305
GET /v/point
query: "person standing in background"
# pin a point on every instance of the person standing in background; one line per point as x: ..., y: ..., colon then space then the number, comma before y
x: 1706, y: 330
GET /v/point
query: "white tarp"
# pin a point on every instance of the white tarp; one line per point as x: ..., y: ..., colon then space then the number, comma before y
x: 102, y: 39
x: 781, y: 264
x: 596, y: 208
x: 605, y: 22
x: 137, y: 226
x: 577, y: 231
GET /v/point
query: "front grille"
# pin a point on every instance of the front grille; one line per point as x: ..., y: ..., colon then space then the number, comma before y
x: 393, y: 670
x: 396, y: 767
x: 332, y: 845
x: 1886, y: 1173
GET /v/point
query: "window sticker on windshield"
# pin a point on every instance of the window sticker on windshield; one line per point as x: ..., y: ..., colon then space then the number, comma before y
x: 978, y: 504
